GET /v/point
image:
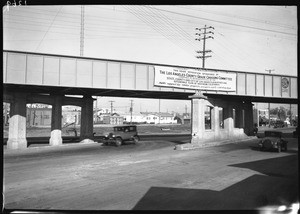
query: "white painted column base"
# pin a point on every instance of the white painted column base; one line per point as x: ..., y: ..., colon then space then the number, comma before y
x: 196, y: 139
x: 87, y: 141
x: 17, y: 143
x: 55, y: 139
x: 17, y: 133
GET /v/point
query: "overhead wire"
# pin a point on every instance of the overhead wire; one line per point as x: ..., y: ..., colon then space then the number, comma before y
x: 240, y: 49
x: 228, y: 23
x: 179, y: 31
x: 162, y: 26
x: 154, y: 23
x: 180, y: 38
x: 238, y: 52
x: 189, y: 22
x: 242, y: 17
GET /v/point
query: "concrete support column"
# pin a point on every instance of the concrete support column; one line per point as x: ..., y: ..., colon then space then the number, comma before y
x: 198, y: 120
x: 216, y: 122
x: 56, y: 138
x: 17, y: 122
x: 249, y: 125
x: 239, y: 117
x: 228, y: 119
x: 86, y: 125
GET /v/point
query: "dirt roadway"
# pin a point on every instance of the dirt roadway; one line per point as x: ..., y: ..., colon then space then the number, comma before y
x: 151, y: 175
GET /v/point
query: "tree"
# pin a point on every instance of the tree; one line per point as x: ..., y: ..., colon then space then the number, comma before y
x: 274, y: 111
x: 282, y: 113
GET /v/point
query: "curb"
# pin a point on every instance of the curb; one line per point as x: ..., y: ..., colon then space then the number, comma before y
x: 189, y: 146
x: 39, y: 147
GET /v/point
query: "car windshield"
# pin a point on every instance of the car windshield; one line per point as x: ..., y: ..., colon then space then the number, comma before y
x: 118, y: 129
x: 125, y: 129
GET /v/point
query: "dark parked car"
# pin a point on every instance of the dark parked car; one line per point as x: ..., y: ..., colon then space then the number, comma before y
x: 273, y: 141
x: 120, y: 134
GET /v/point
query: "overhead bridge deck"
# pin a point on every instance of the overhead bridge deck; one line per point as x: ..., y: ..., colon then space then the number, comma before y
x: 48, y: 73
x: 48, y: 79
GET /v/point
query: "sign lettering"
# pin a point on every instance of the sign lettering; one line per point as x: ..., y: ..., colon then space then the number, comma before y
x: 194, y: 79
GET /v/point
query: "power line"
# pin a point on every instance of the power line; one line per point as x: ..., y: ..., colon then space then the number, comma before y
x: 245, y: 18
x: 228, y: 23
x: 48, y: 29
x: 131, y: 110
x: 111, y: 107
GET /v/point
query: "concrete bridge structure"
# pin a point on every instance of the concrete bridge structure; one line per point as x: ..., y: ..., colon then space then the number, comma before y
x: 49, y: 79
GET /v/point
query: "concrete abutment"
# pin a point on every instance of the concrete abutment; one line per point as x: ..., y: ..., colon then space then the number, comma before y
x: 209, y: 115
x: 17, y: 122
x: 56, y: 127
x: 86, y: 126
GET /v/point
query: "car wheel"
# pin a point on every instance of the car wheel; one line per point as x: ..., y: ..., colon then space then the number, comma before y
x: 267, y: 144
x: 118, y: 141
x: 136, y: 139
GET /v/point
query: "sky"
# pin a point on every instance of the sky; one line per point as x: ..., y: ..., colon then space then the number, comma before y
x: 245, y: 38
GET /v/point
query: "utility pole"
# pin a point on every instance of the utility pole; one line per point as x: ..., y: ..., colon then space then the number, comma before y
x: 204, y: 36
x: 96, y: 110
x: 111, y: 107
x: 131, y: 109
x: 269, y: 70
x: 82, y: 31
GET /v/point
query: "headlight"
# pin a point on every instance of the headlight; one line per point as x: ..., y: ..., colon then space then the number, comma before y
x: 106, y: 135
x: 113, y: 135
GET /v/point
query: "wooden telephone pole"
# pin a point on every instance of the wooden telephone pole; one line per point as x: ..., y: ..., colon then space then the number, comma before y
x: 204, y: 36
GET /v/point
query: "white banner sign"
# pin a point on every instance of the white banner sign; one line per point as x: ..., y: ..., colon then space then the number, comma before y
x: 194, y: 79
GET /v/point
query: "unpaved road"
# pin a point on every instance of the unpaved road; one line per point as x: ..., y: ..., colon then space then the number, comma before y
x: 150, y: 175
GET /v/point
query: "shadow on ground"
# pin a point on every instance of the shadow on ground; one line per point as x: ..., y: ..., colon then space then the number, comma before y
x: 277, y: 185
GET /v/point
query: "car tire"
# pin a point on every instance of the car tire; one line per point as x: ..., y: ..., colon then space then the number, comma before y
x: 118, y: 141
x: 136, y: 139
x: 267, y: 144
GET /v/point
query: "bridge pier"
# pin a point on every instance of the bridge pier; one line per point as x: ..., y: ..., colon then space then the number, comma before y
x: 239, y: 116
x: 248, y: 107
x: 56, y: 138
x: 198, y: 123
x: 216, y: 122
x: 233, y: 127
x: 17, y: 122
x: 86, y: 126
x: 228, y: 120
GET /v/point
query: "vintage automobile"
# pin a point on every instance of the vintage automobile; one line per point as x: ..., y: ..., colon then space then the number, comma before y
x: 120, y: 134
x: 273, y: 141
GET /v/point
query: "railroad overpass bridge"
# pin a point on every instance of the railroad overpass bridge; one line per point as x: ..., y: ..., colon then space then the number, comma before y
x: 226, y: 95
